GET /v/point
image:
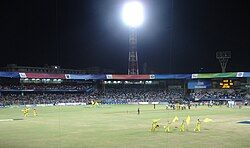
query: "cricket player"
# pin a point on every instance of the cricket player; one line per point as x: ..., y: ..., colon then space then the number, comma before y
x: 182, y: 127
x: 34, y: 112
x: 167, y: 127
x: 25, y: 112
x: 154, y: 125
x: 198, y: 126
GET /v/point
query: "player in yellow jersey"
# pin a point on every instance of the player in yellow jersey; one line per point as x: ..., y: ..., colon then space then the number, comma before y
x: 167, y: 127
x: 26, y: 112
x: 154, y: 125
x: 198, y: 126
x: 182, y: 127
x: 34, y: 112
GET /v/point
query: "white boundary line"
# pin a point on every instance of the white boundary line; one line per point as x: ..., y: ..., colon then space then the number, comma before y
x: 4, y: 120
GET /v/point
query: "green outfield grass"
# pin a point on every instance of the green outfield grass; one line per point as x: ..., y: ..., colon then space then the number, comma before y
x: 120, y: 126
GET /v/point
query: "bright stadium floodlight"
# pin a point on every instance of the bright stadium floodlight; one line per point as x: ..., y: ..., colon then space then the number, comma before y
x: 132, y: 14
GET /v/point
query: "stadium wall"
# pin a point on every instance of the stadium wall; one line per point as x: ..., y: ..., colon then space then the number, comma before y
x: 123, y: 77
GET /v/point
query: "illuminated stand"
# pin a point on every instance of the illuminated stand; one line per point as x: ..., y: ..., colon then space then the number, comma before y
x: 132, y: 15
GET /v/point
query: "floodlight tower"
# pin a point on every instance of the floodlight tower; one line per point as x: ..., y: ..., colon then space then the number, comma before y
x: 223, y: 57
x: 132, y: 15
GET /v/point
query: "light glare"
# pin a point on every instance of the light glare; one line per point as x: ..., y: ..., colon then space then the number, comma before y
x: 132, y: 14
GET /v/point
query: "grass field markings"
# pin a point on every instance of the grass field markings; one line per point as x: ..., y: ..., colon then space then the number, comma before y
x: 6, y: 120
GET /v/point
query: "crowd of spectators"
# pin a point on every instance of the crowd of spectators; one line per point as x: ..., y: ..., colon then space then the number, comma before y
x: 216, y: 94
x: 247, y: 96
x: 126, y: 95
x: 46, y: 87
x: 19, y: 99
x: 104, y: 95
x: 107, y: 95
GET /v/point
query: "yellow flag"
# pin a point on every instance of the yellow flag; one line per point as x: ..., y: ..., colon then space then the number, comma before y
x: 156, y: 120
x: 188, y: 120
x: 175, y: 119
x: 207, y: 120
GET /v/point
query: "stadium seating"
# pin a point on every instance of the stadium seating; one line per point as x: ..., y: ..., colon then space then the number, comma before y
x: 71, y: 93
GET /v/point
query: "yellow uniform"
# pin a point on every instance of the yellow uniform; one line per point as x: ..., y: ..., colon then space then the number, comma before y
x: 25, y: 112
x: 182, y: 127
x: 167, y: 127
x: 154, y: 126
x: 188, y: 121
x: 198, y: 126
x: 34, y: 112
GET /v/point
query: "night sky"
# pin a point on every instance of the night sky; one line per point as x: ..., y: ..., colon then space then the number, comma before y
x: 86, y: 33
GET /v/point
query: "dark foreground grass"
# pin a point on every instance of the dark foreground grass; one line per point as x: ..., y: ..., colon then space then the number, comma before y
x: 120, y: 126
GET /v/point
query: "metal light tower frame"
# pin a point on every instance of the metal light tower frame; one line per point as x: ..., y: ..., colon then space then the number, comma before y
x: 132, y: 15
x: 133, y: 58
x: 223, y: 57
